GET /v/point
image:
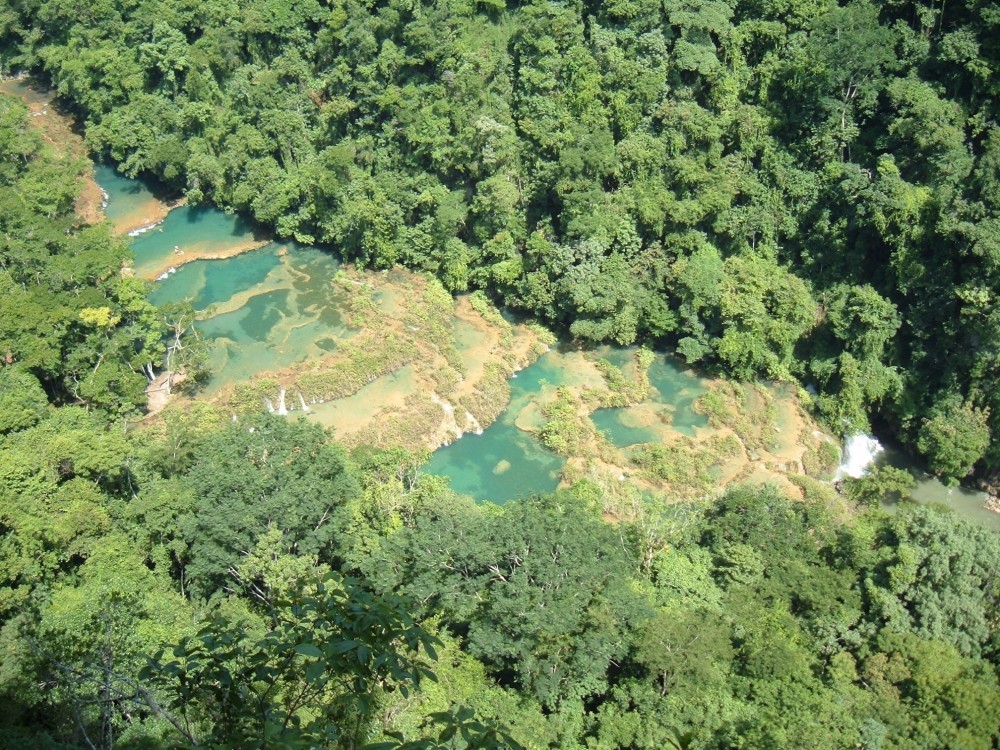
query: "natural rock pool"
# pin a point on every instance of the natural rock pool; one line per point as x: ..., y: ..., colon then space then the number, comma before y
x: 271, y: 309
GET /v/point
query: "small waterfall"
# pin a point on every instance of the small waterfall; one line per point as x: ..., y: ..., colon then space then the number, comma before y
x: 303, y: 402
x: 450, y: 423
x: 471, y: 423
x: 145, y: 228
x: 282, y: 409
x: 269, y: 405
x: 859, y: 454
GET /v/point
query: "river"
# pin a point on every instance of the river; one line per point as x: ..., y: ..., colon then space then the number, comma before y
x: 268, y: 306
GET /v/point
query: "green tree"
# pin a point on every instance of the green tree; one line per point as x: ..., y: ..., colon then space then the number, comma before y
x: 954, y: 437
x: 316, y: 677
x: 932, y: 576
x: 250, y: 477
x: 881, y: 484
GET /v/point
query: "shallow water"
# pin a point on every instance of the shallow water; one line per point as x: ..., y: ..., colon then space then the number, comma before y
x: 347, y: 415
x: 467, y: 344
x: 129, y: 202
x: 213, y: 282
x: 787, y: 420
x: 264, y: 310
x: 189, y: 229
x: 276, y: 306
x: 21, y: 89
x: 965, y: 502
x: 505, y: 462
x: 670, y: 405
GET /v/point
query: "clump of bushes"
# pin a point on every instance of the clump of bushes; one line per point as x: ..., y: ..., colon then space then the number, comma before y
x: 622, y: 390
x: 358, y: 365
x: 748, y: 410
x: 566, y: 430
x: 821, y: 458
x: 491, y: 398
x: 682, y: 465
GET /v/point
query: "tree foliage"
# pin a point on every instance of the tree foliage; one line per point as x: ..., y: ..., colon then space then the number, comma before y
x: 772, y: 188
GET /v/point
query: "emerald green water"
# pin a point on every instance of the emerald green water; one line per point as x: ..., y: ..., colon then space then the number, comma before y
x: 264, y: 310
x: 476, y: 463
x: 504, y: 462
x: 188, y: 229
x: 614, y: 423
x: 211, y: 282
x: 128, y: 202
x: 276, y: 306
x: 670, y: 404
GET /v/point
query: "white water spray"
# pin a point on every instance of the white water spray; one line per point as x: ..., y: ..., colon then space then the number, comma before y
x: 145, y: 228
x: 282, y: 409
x: 472, y: 424
x: 303, y: 402
x: 450, y: 422
x: 859, y: 455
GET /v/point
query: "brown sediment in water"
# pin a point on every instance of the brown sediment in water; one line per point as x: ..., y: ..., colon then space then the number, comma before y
x: 56, y: 130
x: 415, y: 395
x: 191, y: 253
x: 147, y: 216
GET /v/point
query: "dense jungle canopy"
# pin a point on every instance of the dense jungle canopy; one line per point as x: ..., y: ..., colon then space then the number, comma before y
x: 776, y: 189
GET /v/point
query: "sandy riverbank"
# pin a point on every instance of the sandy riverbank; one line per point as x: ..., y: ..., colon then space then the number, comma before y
x: 193, y: 252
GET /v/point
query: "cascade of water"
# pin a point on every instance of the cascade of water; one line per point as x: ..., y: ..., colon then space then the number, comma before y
x: 303, y: 402
x: 449, y: 415
x: 282, y: 409
x: 471, y: 423
x: 859, y: 454
x: 145, y: 228
x: 269, y: 405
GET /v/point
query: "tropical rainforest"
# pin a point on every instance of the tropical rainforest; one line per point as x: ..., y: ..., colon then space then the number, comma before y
x: 780, y: 189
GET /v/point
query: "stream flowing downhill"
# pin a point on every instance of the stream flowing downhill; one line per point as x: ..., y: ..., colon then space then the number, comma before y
x: 863, y: 452
x: 859, y: 454
x: 267, y: 306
